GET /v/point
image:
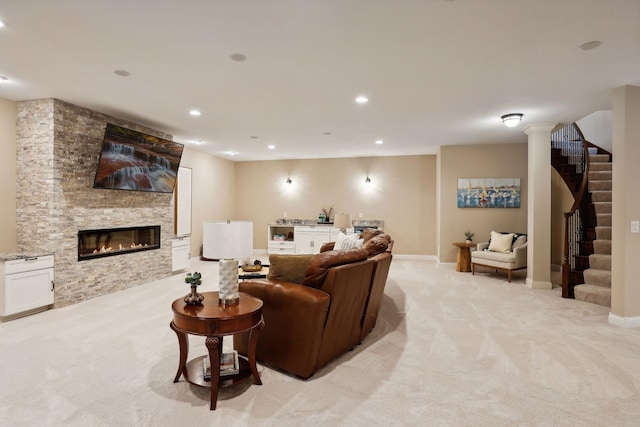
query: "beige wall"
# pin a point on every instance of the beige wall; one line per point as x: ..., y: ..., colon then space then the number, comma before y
x: 402, y: 193
x: 212, y: 192
x: 561, y: 202
x: 625, y: 285
x: 8, y: 112
x: 478, y: 161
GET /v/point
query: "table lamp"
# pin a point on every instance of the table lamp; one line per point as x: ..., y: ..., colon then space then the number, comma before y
x: 342, y: 221
x: 229, y: 241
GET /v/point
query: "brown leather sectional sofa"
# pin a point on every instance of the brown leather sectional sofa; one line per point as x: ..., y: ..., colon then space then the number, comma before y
x: 309, y: 324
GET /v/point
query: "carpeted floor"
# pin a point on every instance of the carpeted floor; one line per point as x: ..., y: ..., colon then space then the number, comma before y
x: 449, y: 349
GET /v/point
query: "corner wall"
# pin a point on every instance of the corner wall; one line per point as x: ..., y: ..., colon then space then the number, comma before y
x: 58, y: 150
x: 8, y: 232
x: 478, y: 161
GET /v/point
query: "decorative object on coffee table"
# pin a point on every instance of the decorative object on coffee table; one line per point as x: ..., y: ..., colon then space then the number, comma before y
x: 469, y: 236
x: 194, y: 298
x: 229, y: 241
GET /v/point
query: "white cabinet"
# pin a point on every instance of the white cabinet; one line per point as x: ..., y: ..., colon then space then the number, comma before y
x: 281, y: 239
x: 26, y: 284
x: 180, y: 253
x: 309, y: 239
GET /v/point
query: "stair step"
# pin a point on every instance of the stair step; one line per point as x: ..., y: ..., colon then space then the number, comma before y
x: 600, y: 262
x: 599, y: 176
x: 600, y: 186
x: 599, y: 158
x: 602, y: 207
x: 604, y: 219
x: 593, y: 294
x: 600, y: 167
x: 603, y: 232
x: 600, y: 196
x: 602, y: 247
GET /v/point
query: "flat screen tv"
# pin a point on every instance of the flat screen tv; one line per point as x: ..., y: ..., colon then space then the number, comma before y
x: 131, y: 160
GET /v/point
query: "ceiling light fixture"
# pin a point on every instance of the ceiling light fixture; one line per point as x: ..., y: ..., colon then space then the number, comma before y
x: 512, y: 119
x: 4, y: 79
x: 195, y: 113
x: 271, y: 147
x: 198, y: 141
x: 362, y: 99
x: 122, y: 73
x: 589, y: 45
x: 367, y: 180
x: 238, y: 57
x: 379, y: 141
x: 289, y: 180
x: 2, y: 24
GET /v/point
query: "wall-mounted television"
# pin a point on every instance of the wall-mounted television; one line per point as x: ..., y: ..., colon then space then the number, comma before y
x: 132, y: 160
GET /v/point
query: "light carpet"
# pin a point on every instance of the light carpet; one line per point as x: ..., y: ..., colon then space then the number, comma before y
x: 449, y: 349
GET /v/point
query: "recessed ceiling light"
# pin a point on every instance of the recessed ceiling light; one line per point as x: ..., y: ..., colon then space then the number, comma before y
x: 271, y: 147
x: 326, y: 133
x: 362, y: 99
x: 4, y: 79
x: 253, y: 137
x: 195, y: 113
x: 379, y: 141
x: 122, y: 73
x: 231, y: 153
x: 238, y: 57
x: 590, y: 45
x: 197, y: 141
x: 2, y: 24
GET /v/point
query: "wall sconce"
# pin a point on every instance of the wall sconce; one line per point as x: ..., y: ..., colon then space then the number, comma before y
x: 512, y: 119
x: 289, y: 180
x: 367, y: 180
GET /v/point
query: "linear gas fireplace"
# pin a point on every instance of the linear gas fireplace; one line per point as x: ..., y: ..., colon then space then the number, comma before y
x: 117, y: 241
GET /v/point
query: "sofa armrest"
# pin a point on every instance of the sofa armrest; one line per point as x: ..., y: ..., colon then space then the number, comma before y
x: 521, y: 256
x: 482, y: 246
x: 294, y: 317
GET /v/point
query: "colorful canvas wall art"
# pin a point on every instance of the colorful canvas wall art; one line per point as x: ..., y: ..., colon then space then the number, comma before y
x: 489, y: 192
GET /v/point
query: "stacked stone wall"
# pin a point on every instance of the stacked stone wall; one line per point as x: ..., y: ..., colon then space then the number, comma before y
x: 58, y: 151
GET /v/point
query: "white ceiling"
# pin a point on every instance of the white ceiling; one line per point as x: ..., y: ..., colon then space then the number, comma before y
x: 438, y: 72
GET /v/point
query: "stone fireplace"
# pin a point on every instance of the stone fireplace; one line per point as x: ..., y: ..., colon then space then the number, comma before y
x: 58, y: 150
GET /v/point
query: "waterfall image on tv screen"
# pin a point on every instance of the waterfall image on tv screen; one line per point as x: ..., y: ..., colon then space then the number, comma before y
x: 132, y: 160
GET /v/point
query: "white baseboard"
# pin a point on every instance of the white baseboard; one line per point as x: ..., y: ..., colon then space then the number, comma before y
x: 538, y: 284
x: 624, y: 322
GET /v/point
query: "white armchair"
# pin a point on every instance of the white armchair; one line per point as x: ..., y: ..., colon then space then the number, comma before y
x: 500, y: 257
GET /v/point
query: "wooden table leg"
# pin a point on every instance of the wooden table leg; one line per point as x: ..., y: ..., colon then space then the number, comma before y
x: 183, y: 341
x: 214, y: 348
x: 251, y: 351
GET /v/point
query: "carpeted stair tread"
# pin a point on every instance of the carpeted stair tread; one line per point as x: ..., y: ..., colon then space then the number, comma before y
x: 600, y: 175
x: 600, y: 186
x: 599, y: 158
x: 604, y: 219
x: 595, y: 277
x: 600, y: 261
x: 603, y: 232
x: 600, y: 167
x: 593, y: 294
x: 602, y: 247
x: 602, y: 207
x: 600, y: 196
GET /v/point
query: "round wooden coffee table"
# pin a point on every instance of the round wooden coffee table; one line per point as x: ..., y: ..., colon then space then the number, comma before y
x: 214, y: 321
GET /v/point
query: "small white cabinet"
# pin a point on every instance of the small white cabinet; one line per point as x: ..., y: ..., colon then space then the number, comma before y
x: 309, y: 239
x: 26, y: 284
x: 180, y: 253
x: 281, y: 239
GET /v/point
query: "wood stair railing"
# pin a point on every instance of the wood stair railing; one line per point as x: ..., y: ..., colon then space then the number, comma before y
x: 570, y: 157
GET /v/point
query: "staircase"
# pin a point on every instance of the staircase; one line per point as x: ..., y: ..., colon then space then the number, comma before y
x: 597, y: 278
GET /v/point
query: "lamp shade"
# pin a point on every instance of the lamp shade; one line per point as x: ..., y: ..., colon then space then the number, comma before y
x: 227, y: 239
x: 342, y: 220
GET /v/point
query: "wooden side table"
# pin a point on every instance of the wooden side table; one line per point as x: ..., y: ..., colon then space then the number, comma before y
x: 463, y: 262
x: 214, y: 321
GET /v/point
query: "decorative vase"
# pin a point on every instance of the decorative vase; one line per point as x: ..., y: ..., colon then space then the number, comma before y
x: 194, y: 298
x: 468, y: 241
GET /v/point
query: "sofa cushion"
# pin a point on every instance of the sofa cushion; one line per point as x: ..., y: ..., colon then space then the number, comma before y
x: 288, y: 268
x: 501, y: 242
x: 506, y: 257
x: 377, y: 244
x: 320, y: 263
x: 368, y: 233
